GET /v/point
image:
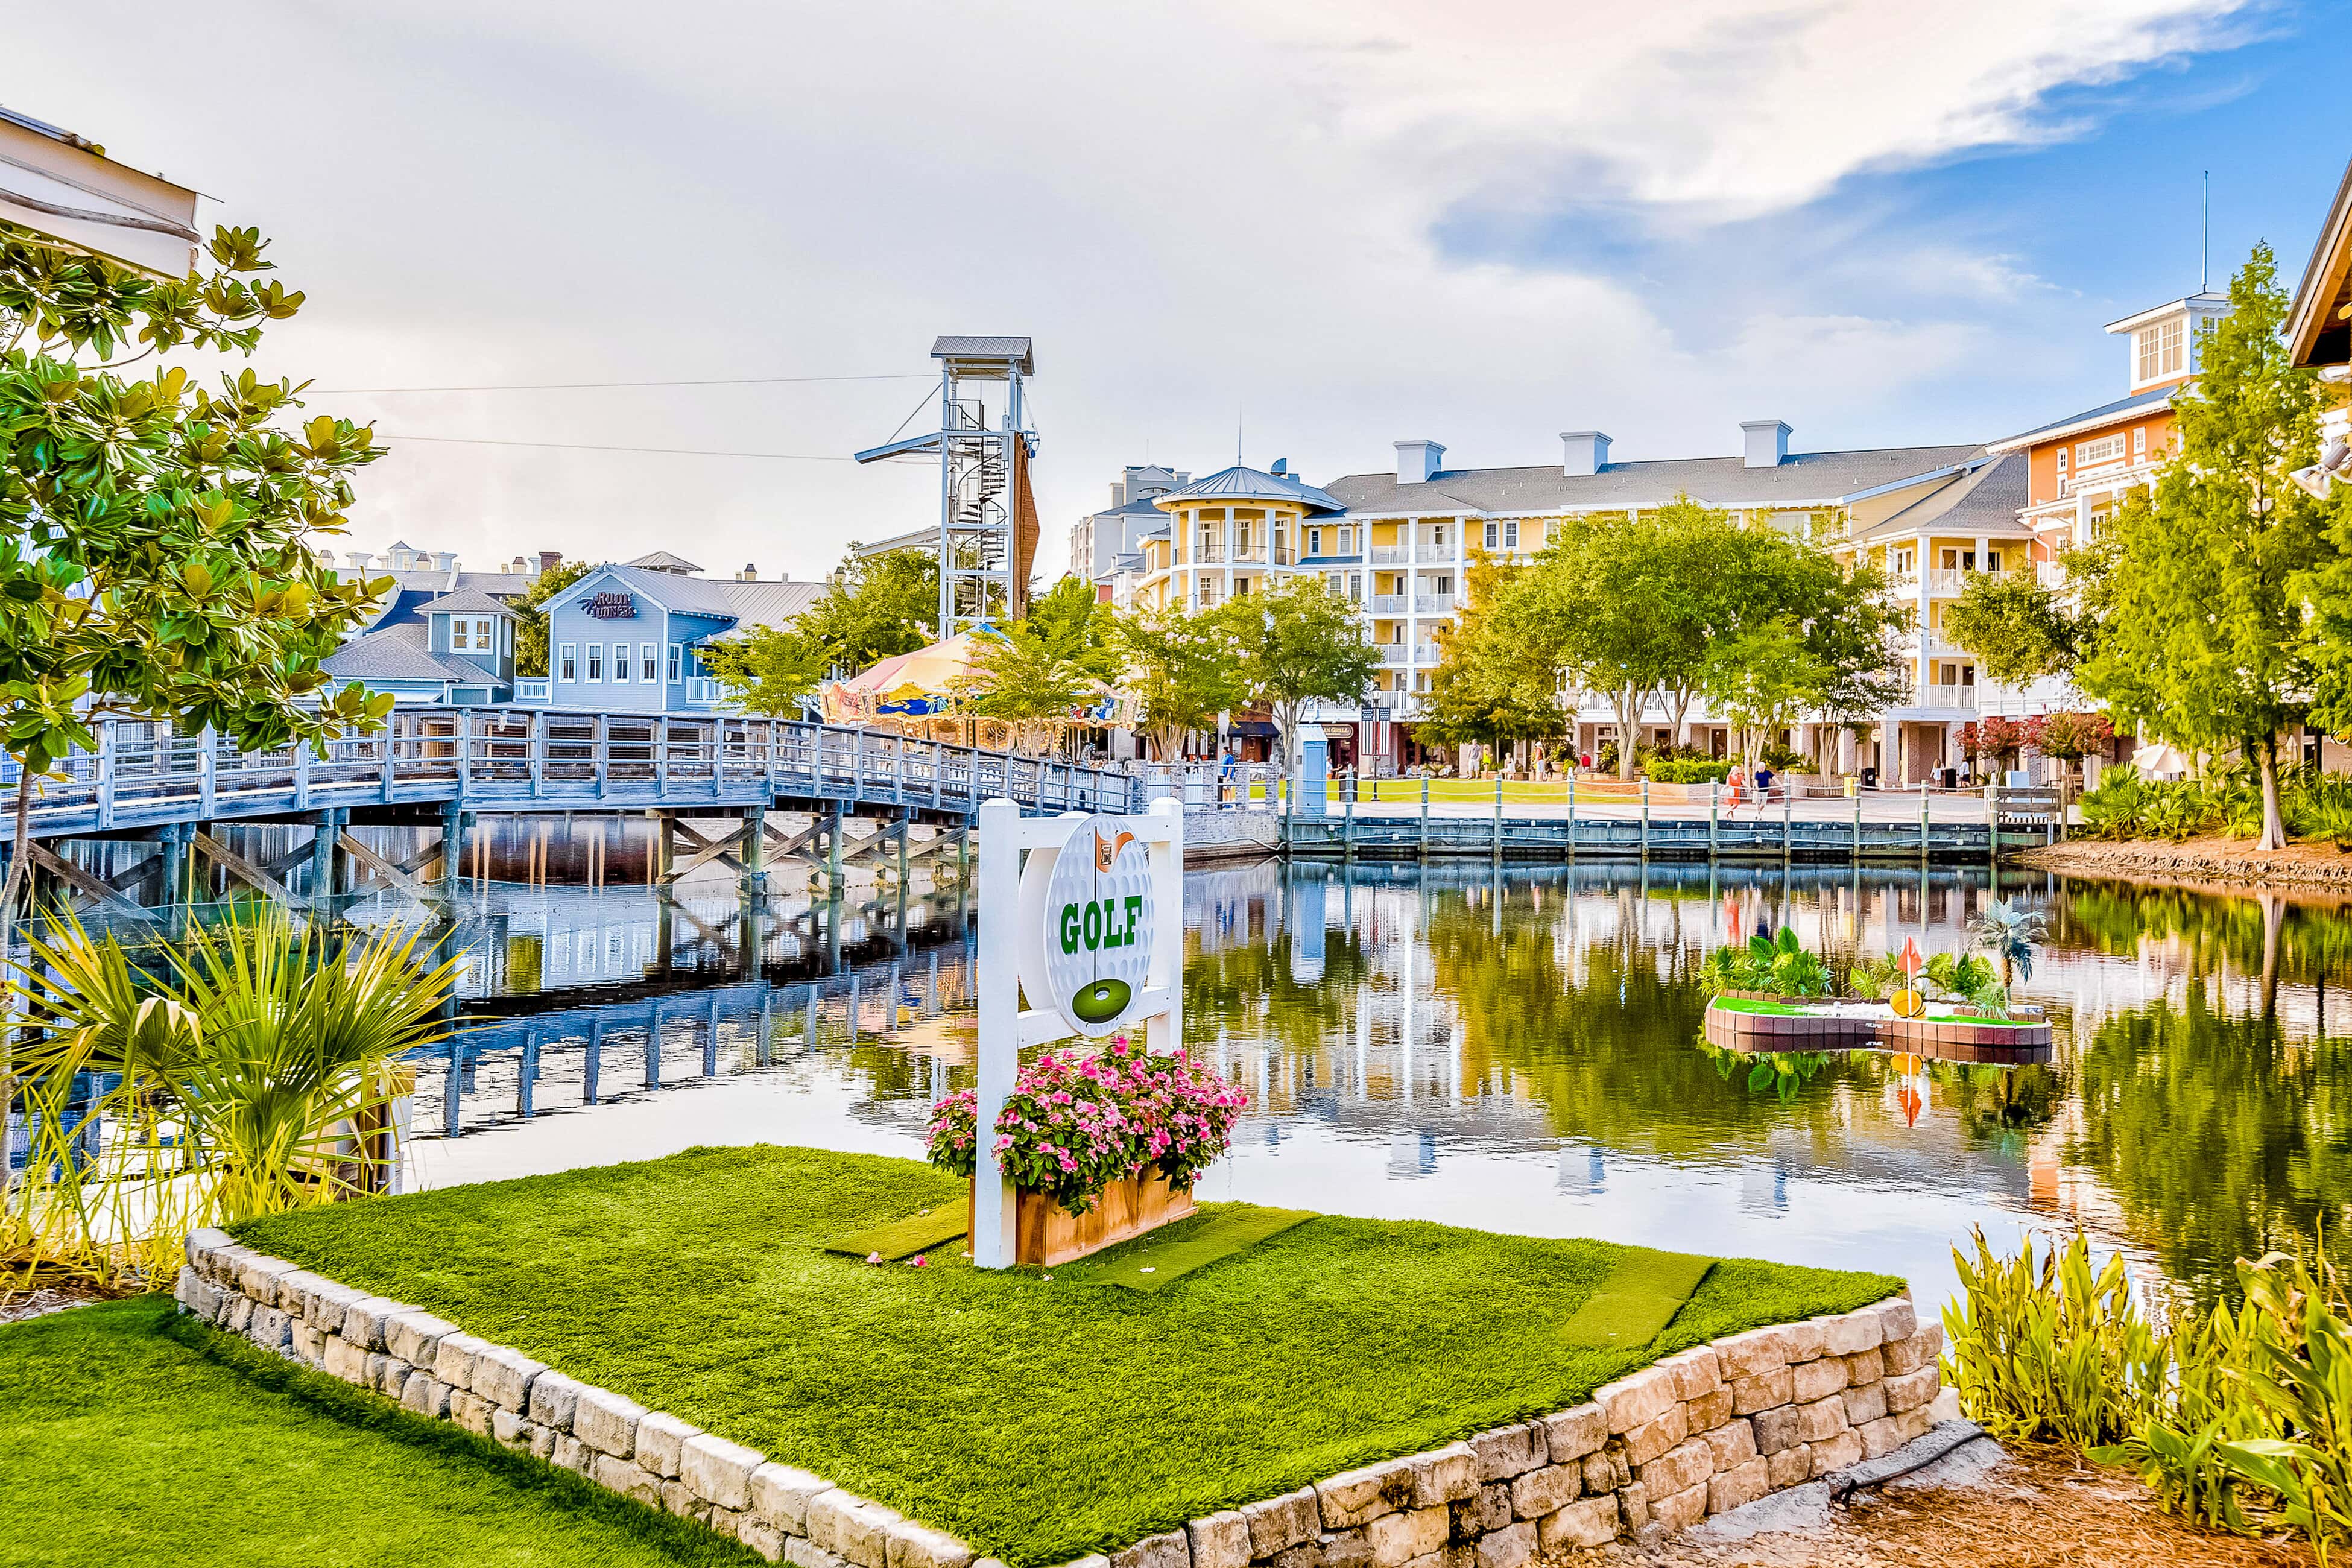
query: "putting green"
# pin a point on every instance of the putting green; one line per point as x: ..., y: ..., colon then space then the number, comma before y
x: 1155, y: 1261
x: 1637, y: 1300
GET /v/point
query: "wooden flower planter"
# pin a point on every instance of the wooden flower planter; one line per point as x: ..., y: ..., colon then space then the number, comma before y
x: 1045, y: 1234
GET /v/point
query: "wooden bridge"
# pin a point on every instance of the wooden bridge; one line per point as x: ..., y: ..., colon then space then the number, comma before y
x: 447, y: 765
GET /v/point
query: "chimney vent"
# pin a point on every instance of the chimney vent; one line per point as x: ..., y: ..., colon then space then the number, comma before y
x: 1583, y: 451
x: 750, y: 573
x: 1418, y: 461
x: 548, y: 560
x: 359, y: 559
x: 521, y: 566
x: 1281, y: 469
x: 1767, y: 441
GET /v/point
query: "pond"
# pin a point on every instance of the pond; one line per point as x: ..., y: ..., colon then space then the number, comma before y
x: 1521, y: 1052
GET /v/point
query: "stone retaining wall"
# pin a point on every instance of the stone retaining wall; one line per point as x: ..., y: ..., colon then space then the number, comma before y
x: 1698, y: 1433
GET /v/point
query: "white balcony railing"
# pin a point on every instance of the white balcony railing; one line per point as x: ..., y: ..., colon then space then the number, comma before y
x: 1389, y: 555
x: 1946, y: 584
x: 1428, y: 602
x: 1388, y: 603
x: 1392, y: 654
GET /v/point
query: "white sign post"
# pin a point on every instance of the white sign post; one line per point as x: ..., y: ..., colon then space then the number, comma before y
x: 1090, y: 927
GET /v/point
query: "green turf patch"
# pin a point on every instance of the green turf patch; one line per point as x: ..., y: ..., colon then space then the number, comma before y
x: 1753, y: 1005
x: 1039, y: 1422
x: 903, y: 1237
x: 139, y: 1440
x: 1155, y: 1261
x: 1637, y: 1303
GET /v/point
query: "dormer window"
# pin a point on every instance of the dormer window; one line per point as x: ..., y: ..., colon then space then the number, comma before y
x: 2162, y: 350
x: 457, y: 632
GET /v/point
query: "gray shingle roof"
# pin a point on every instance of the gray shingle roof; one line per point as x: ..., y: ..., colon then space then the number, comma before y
x: 398, y: 653
x: 465, y: 602
x: 1240, y: 483
x: 2157, y: 397
x: 1983, y: 500
x: 1802, y: 478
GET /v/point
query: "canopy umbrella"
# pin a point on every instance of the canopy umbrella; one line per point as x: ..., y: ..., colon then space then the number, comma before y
x: 2162, y: 759
x: 907, y: 685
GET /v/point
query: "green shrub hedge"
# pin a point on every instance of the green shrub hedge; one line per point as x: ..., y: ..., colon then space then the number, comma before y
x: 1687, y: 771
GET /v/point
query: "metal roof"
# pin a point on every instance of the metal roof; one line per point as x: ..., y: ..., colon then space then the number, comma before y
x: 2136, y: 403
x: 1802, y: 479
x: 747, y: 604
x: 399, y: 652
x: 465, y: 602
x: 663, y: 560
x: 1013, y: 351
x: 1241, y: 483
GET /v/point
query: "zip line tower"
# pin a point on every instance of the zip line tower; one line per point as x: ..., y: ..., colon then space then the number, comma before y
x: 986, y: 537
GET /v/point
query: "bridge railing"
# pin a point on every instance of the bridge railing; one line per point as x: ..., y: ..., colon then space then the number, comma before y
x: 506, y: 758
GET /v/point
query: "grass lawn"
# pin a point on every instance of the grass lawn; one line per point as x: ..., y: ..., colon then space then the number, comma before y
x: 1750, y: 1005
x: 126, y: 1446
x: 1037, y: 1419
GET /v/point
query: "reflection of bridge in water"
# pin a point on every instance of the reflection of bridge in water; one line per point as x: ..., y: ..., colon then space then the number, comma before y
x: 674, y: 990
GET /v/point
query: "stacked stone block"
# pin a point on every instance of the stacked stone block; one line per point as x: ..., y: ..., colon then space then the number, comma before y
x: 1698, y: 1433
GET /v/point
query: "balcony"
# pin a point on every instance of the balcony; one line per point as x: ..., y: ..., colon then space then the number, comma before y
x: 1948, y: 585
x: 1389, y: 555
x: 1210, y: 552
x: 1387, y: 605
x: 1392, y: 655
x: 1432, y: 604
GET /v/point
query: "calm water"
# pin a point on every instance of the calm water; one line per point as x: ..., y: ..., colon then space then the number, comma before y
x: 1522, y: 1054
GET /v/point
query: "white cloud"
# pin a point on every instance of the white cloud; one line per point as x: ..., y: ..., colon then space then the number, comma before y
x: 1197, y: 211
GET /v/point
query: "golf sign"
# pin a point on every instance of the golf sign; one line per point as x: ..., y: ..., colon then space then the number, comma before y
x: 1090, y: 918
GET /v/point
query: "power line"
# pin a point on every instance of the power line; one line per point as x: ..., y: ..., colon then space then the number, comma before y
x: 596, y: 386
x: 664, y: 451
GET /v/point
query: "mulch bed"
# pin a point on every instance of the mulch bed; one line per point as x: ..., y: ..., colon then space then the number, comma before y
x: 2201, y: 860
x: 42, y: 1299
x: 2037, y: 1509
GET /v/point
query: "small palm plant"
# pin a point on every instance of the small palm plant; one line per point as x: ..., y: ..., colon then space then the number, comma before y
x: 2007, y: 929
x: 242, y: 1076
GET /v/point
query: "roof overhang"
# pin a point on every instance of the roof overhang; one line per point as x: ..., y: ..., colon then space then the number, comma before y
x: 64, y: 188
x: 2326, y: 288
x: 2195, y: 304
x: 2082, y: 426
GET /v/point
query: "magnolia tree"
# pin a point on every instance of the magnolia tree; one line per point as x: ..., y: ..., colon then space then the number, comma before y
x: 156, y: 556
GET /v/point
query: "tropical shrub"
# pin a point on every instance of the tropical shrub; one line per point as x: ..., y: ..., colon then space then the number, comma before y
x: 2240, y: 1419
x: 1075, y: 1124
x: 1781, y: 966
x: 1964, y: 977
x: 231, y: 1079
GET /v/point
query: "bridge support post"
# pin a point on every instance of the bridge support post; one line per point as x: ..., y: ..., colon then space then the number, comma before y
x: 326, y: 832
x: 751, y: 852
x: 453, y: 849
x: 175, y: 879
x: 832, y: 851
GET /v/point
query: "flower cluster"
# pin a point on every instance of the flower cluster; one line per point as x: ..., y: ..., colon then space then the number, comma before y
x: 1074, y: 1125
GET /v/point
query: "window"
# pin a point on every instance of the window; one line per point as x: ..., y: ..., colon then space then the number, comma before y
x: 620, y: 663
x: 1314, y: 541
x: 2061, y: 461
x: 1992, y: 560
x: 457, y: 633
x: 1346, y: 541
x: 1241, y: 537
x: 1437, y: 537
x: 1355, y: 587
x: 1510, y: 536
x: 2105, y: 449
x: 567, y: 662
x: 1901, y: 562
x: 2160, y: 350
x: 1441, y: 585
x: 2139, y: 440
x: 675, y: 650
x: 1493, y: 534
x: 595, y: 661
x: 1240, y: 586
x: 482, y: 636
x: 648, y: 662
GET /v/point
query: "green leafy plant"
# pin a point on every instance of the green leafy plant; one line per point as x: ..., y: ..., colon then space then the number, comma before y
x: 1681, y: 770
x: 238, y: 1077
x: 2006, y: 930
x: 2044, y: 1350
x: 1781, y: 966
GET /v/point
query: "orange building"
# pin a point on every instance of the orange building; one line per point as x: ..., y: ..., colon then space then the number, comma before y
x: 2079, y: 469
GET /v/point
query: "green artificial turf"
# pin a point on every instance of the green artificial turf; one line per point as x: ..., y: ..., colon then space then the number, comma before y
x: 1637, y: 1301
x: 131, y: 1439
x: 1039, y: 1420
x: 1750, y: 1005
x: 903, y: 1237
x: 1155, y: 1261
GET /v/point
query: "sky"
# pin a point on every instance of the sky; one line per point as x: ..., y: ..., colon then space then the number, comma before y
x: 1270, y: 228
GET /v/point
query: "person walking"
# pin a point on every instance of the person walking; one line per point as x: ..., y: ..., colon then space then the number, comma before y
x: 1734, y: 791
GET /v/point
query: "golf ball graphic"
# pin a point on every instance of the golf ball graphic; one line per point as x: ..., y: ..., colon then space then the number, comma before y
x: 1101, y: 1000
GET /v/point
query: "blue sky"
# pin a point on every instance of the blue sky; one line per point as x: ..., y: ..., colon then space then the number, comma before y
x: 1336, y: 224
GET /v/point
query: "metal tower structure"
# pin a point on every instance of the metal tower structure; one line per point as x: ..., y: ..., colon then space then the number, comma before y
x: 986, y: 537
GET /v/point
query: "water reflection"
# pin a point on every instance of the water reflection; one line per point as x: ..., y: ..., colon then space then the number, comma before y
x: 1523, y: 1053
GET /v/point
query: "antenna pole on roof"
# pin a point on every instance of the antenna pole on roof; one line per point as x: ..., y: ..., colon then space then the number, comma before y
x: 2205, y: 235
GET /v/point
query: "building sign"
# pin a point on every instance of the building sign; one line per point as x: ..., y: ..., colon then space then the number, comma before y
x: 612, y: 607
x: 1090, y: 919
